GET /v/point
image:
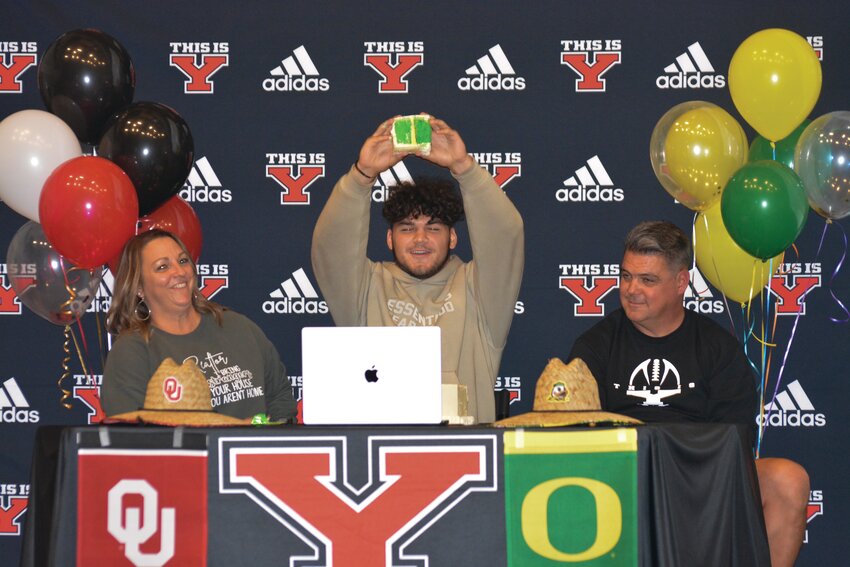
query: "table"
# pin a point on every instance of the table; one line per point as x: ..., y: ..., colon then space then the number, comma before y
x: 698, y: 499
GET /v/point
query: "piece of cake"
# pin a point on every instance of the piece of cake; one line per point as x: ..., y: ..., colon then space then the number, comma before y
x: 412, y: 134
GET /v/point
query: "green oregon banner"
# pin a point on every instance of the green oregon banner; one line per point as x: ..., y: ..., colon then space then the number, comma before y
x: 571, y: 497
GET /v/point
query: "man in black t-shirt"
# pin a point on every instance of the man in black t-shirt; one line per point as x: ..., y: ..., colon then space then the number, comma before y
x: 656, y: 361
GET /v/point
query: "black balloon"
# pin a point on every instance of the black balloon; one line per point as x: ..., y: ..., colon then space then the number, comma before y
x: 154, y: 146
x: 84, y: 77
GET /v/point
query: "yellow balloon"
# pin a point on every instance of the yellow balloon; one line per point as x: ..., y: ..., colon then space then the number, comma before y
x: 738, y: 275
x: 695, y: 148
x: 774, y: 80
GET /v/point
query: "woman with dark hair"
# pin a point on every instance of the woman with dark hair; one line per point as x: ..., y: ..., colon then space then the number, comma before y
x: 157, y: 313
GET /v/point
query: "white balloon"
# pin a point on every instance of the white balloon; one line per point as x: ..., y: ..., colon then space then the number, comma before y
x: 32, y: 144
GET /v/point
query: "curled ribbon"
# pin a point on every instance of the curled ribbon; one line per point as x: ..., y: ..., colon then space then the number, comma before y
x: 67, y: 310
x: 66, y: 370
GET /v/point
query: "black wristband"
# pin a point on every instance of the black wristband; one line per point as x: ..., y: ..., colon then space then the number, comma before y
x: 360, y: 171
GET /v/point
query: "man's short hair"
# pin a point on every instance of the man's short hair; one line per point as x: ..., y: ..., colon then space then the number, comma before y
x: 435, y: 198
x: 660, y: 238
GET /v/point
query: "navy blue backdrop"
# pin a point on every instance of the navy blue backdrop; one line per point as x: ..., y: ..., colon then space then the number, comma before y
x: 269, y: 88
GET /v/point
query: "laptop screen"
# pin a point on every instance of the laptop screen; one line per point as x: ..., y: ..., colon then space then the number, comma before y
x: 371, y: 375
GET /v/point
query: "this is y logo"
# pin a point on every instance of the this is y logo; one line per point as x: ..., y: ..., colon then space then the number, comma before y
x: 603, y: 279
x: 505, y: 167
x: 393, y: 61
x: 295, y: 173
x: 296, y: 382
x: 87, y: 390
x: 15, y: 58
x: 512, y: 384
x: 199, y: 61
x: 590, y: 59
x: 794, y: 282
x: 816, y: 41
x: 214, y: 278
x: 413, y: 482
x: 10, y: 303
x: 13, y: 504
x: 23, y: 276
x: 813, y: 510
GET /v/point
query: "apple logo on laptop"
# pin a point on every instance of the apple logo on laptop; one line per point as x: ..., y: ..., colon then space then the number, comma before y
x: 371, y: 375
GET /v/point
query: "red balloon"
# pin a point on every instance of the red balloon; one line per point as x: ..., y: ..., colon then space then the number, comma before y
x: 177, y: 217
x: 88, y: 210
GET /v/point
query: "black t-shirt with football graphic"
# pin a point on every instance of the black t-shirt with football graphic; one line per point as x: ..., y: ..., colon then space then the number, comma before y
x: 696, y: 373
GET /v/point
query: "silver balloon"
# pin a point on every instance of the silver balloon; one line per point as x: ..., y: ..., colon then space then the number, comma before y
x: 822, y: 160
x: 46, y: 282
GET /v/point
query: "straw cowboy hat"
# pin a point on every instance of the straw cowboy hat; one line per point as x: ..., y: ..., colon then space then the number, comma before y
x: 178, y: 395
x: 566, y: 394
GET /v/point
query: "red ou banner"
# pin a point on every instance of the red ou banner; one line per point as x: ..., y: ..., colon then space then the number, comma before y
x: 142, y: 507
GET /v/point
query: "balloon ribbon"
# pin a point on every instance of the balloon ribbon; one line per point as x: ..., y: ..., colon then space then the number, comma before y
x: 835, y: 272
x: 66, y: 371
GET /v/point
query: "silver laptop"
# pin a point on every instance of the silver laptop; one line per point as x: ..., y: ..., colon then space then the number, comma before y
x: 371, y: 375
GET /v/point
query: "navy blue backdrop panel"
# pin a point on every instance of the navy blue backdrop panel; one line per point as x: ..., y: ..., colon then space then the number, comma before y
x: 279, y: 97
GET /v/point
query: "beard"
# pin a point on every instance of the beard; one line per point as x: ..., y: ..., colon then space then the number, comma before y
x: 421, y: 273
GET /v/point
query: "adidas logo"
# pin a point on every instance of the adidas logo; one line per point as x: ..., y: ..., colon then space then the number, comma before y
x: 203, y: 186
x: 103, y: 296
x: 14, y: 407
x: 792, y: 408
x: 390, y: 178
x: 295, y: 295
x: 698, y: 296
x: 492, y: 72
x: 692, y: 70
x: 296, y: 73
x: 591, y: 183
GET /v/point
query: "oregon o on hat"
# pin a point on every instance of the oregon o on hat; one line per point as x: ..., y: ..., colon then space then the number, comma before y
x: 178, y: 395
x: 566, y: 394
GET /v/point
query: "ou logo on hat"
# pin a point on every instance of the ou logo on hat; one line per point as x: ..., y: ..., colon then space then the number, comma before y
x: 172, y: 389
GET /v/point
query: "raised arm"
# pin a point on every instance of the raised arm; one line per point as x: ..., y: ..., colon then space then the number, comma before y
x: 495, y: 231
x: 342, y: 231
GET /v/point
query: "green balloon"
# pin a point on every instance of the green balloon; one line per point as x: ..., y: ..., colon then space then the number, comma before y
x: 760, y: 148
x: 764, y: 208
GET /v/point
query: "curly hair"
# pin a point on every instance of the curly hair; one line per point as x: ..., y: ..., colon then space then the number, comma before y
x: 435, y: 198
x: 128, y: 313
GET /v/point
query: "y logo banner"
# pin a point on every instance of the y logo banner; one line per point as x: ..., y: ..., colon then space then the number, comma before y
x: 304, y: 484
